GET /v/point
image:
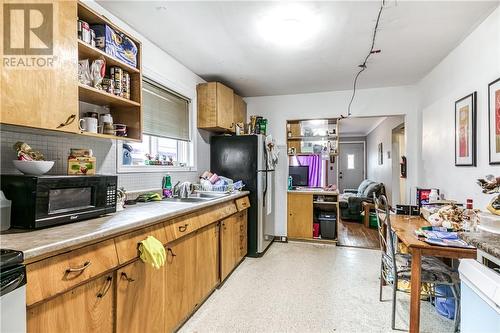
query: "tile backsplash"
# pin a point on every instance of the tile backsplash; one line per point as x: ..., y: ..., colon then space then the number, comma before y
x: 55, y: 146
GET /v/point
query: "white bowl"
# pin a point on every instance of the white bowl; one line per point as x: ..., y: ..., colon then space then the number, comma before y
x: 33, y: 167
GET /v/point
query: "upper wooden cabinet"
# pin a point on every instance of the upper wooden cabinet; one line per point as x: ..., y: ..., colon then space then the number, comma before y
x: 41, y: 90
x: 215, y: 107
x: 240, y: 109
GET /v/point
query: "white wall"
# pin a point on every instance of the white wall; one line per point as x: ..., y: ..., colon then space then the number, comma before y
x: 368, y: 102
x: 382, y: 173
x: 468, y: 68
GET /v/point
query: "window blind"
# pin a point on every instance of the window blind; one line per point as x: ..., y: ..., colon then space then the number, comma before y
x: 165, y: 113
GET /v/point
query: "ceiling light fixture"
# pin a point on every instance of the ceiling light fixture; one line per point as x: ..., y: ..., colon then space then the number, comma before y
x: 288, y: 25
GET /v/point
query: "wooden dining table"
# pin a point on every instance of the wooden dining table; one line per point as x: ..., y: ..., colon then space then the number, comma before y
x: 404, y: 227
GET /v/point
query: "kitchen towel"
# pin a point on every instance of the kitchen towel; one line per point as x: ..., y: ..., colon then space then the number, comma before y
x: 152, y: 252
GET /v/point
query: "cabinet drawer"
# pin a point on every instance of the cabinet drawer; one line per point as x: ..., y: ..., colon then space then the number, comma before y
x: 242, y: 203
x: 54, y: 275
x: 127, y: 246
x: 184, y: 225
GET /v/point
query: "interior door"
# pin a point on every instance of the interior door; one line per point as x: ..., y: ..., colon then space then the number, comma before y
x: 351, y: 165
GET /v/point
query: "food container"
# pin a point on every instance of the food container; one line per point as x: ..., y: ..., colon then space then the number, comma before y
x: 116, y: 74
x: 84, y: 32
x: 81, y: 165
x: 5, y: 206
x: 115, y: 44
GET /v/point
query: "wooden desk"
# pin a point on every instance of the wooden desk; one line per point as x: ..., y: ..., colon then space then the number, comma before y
x: 405, y: 227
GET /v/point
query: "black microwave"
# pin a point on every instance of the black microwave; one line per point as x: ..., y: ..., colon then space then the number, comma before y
x: 44, y: 201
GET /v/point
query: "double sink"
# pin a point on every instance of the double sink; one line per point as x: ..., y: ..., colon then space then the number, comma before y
x: 198, y: 197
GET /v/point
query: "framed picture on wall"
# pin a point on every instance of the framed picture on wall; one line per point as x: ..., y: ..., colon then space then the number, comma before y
x: 494, y: 120
x: 465, y: 131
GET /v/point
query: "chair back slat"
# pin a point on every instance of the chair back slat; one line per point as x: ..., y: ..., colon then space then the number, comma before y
x: 385, y: 232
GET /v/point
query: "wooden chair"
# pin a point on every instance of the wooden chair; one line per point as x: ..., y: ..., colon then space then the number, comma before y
x: 396, y: 267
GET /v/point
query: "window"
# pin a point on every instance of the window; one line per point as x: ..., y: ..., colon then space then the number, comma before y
x: 350, y: 161
x: 166, y: 141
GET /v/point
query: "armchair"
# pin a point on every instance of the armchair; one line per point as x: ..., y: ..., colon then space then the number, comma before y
x: 351, y: 200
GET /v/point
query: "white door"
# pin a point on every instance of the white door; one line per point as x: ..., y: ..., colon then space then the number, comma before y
x: 351, y: 165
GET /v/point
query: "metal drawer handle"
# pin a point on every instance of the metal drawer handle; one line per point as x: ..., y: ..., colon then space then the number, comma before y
x: 125, y: 277
x: 106, y: 287
x: 171, y: 252
x: 79, y: 269
x: 183, y: 228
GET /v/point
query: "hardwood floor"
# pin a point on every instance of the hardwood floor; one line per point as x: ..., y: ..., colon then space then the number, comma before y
x: 357, y: 235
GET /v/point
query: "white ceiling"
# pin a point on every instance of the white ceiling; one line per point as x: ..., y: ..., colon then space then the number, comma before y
x: 352, y: 126
x: 221, y: 41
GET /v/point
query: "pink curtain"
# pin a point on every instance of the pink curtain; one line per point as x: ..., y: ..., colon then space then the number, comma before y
x: 314, y: 163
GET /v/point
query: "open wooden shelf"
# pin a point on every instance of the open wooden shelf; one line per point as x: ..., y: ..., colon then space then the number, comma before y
x: 86, y: 51
x: 313, y: 138
x: 123, y: 110
x: 92, y: 95
x: 108, y: 136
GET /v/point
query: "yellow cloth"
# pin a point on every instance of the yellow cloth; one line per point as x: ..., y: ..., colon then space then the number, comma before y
x: 152, y: 252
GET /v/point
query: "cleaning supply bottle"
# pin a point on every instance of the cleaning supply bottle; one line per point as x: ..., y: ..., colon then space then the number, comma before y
x: 167, y: 186
x: 290, y: 187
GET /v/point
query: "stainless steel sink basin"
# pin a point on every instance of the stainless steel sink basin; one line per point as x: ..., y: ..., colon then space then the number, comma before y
x: 198, y: 197
x: 213, y: 195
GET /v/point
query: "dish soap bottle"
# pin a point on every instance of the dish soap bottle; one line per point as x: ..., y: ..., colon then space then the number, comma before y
x: 290, y: 187
x: 167, y: 186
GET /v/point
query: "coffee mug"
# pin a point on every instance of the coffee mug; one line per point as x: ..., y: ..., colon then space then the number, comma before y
x: 88, y: 124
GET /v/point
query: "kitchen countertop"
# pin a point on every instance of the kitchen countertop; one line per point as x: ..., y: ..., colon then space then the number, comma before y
x: 484, y: 241
x: 313, y: 190
x: 39, y: 244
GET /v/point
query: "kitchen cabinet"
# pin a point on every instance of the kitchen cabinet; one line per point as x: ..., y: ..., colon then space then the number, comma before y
x: 140, y: 298
x: 181, y: 280
x: 192, y: 273
x: 240, y: 110
x: 300, y: 215
x: 87, y: 308
x: 233, y: 242
x: 105, y: 287
x: 44, y: 95
x: 215, y: 107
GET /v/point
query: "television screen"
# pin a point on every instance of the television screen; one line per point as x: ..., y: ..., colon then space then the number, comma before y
x: 299, y: 174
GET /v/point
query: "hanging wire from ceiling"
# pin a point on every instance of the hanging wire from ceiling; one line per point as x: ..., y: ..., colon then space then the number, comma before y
x: 364, y: 65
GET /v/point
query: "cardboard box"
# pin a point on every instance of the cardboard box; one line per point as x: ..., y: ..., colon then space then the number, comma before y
x: 81, y: 165
x: 115, y: 44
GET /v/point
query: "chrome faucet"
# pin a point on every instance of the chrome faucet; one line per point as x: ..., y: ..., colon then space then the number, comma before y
x: 183, y: 190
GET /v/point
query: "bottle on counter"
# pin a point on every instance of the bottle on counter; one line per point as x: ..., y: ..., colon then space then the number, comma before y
x: 290, y: 187
x: 167, y: 186
x: 469, y: 217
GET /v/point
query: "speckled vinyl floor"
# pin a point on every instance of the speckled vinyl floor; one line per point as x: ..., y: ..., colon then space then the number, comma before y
x: 303, y: 287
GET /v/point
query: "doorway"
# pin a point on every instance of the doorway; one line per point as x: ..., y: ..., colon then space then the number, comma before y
x: 399, y: 166
x: 351, y: 165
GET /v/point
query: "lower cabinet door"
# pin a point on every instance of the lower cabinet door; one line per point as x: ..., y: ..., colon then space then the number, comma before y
x: 181, y: 280
x: 207, y: 264
x: 88, y: 308
x: 140, y: 298
x: 229, y: 244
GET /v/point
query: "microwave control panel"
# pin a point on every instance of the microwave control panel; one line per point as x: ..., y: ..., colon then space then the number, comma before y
x: 111, y: 195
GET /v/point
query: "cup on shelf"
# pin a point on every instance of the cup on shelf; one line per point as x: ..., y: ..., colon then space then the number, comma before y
x: 105, y: 118
x: 88, y: 124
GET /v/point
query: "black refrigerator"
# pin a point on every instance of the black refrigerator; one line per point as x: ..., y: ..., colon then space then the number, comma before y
x: 245, y: 158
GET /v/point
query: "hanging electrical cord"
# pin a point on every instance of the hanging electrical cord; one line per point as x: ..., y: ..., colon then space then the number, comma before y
x: 363, y: 66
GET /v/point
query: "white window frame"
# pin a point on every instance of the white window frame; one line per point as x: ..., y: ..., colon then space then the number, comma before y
x: 185, y: 91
